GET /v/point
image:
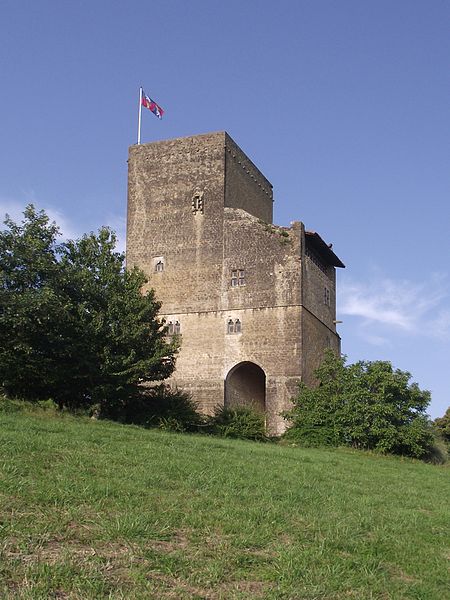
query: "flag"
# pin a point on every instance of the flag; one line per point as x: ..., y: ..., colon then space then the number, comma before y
x: 151, y: 105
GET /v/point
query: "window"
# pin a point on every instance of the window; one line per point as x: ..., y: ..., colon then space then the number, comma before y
x: 326, y: 296
x: 159, y: 266
x: 173, y: 328
x: 234, y: 326
x: 237, y: 277
x: 230, y: 326
x: 197, y: 203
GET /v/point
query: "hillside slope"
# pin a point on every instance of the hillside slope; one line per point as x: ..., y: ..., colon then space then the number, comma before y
x: 97, y: 510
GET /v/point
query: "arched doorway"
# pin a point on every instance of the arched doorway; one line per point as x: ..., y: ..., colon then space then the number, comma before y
x: 245, y: 385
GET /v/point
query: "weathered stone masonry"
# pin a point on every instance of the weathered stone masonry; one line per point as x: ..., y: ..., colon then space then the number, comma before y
x: 254, y: 303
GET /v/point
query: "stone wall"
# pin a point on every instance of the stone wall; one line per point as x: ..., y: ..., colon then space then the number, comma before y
x: 245, y: 185
x: 315, y: 284
x: 200, y: 226
x: 269, y: 256
x: 164, y: 177
x: 316, y: 339
x: 269, y: 338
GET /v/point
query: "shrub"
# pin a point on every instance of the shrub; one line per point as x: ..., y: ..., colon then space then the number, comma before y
x: 442, y: 425
x: 158, y: 406
x: 239, y: 422
x: 8, y: 406
x: 366, y: 405
x: 438, y: 453
x: 15, y: 405
x: 313, y: 437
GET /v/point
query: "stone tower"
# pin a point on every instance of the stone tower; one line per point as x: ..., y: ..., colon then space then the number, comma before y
x: 253, y: 303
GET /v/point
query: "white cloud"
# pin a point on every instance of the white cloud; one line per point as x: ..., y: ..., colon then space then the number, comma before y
x: 67, y: 229
x: 376, y: 340
x: 15, y: 210
x: 387, y: 305
x: 440, y: 325
x: 11, y: 208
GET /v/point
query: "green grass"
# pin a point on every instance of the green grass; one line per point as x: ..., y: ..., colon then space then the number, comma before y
x: 93, y: 509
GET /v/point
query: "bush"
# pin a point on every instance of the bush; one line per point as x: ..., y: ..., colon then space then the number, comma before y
x: 442, y: 426
x: 438, y: 453
x: 8, y: 406
x: 240, y: 422
x: 312, y: 437
x: 158, y: 406
x: 366, y: 405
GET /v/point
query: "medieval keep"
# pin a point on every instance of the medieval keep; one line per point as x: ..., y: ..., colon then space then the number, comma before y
x: 254, y: 304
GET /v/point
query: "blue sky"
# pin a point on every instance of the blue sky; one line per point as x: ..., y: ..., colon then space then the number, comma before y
x: 343, y: 105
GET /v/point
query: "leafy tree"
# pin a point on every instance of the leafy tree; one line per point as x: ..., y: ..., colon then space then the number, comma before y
x: 365, y: 405
x: 33, y: 315
x: 74, y: 324
x: 442, y: 425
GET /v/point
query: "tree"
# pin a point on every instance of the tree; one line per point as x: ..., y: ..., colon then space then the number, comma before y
x: 32, y: 313
x: 75, y: 325
x: 365, y: 405
x: 442, y: 425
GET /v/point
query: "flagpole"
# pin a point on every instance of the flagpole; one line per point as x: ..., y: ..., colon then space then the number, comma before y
x: 140, y: 115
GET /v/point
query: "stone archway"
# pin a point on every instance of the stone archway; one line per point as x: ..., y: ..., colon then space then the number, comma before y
x: 245, y: 385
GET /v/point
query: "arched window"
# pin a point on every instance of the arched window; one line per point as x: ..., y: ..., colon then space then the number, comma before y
x: 197, y: 202
x: 234, y: 326
x: 173, y: 328
x: 159, y: 266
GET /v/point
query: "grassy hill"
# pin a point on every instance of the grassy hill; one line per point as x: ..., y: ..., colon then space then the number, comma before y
x: 93, y: 509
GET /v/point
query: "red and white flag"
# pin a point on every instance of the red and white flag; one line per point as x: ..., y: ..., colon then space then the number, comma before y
x: 147, y: 102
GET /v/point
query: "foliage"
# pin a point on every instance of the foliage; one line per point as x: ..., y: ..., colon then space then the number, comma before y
x: 442, y: 425
x: 438, y: 453
x: 8, y: 406
x: 158, y: 406
x: 311, y: 436
x: 33, y: 317
x: 239, y: 422
x: 74, y: 324
x: 365, y: 405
